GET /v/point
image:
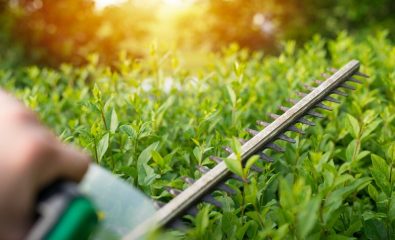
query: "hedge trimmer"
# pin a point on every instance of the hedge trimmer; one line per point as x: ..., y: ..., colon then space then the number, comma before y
x: 126, y: 213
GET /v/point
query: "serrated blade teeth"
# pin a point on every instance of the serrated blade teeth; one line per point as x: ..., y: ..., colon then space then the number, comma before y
x: 361, y: 74
x: 293, y: 101
x: 252, y: 131
x: 241, y: 141
x: 286, y: 138
x: 325, y: 75
x: 178, y: 224
x: 202, y: 169
x: 338, y: 92
x: 283, y: 136
x: 331, y: 99
x: 284, y: 109
x: 237, y: 177
x: 345, y: 85
x: 323, y: 106
x: 158, y: 204
x: 209, y: 199
x: 193, y: 211
x: 174, y: 192
x: 226, y: 188
x: 257, y: 169
x: 315, y: 114
x: 262, y: 123
x: 275, y: 147
x: 301, y: 94
x: 308, y: 87
x: 212, y: 201
x: 331, y: 69
x: 295, y: 129
x: 274, y: 116
x: 227, y: 149
x: 351, y: 79
x: 306, y: 122
x: 265, y: 157
x: 215, y: 159
x: 188, y: 180
x: 319, y: 82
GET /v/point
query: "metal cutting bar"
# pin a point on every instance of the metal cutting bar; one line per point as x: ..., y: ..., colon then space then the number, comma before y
x: 220, y: 172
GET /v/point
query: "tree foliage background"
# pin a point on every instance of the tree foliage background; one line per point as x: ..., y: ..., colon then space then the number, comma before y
x: 51, y: 32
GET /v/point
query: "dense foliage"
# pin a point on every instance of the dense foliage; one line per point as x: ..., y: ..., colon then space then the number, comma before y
x: 151, y: 122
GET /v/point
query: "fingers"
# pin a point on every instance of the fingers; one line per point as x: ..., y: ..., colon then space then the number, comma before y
x: 60, y: 161
x: 12, y: 110
x: 46, y: 159
x: 72, y: 162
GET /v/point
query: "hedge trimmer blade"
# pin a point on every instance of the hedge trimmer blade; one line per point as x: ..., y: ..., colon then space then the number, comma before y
x: 200, y: 190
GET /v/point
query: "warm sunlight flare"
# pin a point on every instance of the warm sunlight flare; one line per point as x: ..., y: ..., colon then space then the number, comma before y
x: 174, y: 3
x: 100, y: 4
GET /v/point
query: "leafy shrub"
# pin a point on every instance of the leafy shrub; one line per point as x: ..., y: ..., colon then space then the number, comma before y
x: 151, y: 122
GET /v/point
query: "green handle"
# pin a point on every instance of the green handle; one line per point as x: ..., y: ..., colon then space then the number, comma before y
x: 64, y: 214
x: 78, y: 221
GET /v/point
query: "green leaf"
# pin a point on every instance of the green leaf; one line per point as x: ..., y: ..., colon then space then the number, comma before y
x: 158, y: 158
x: 145, y: 173
x: 234, y: 165
x: 251, y: 161
x: 198, y: 154
x: 236, y: 147
x: 353, y: 126
x: 391, y: 152
x: 114, y: 121
x: 336, y: 198
x: 352, y: 150
x: 380, y: 173
x: 286, y: 197
x: 129, y: 130
x: 102, y: 146
x: 232, y: 96
x: 370, y: 128
x: 307, y: 218
x: 373, y: 193
x: 391, y: 212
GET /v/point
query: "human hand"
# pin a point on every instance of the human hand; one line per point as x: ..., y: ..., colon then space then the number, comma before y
x: 31, y: 158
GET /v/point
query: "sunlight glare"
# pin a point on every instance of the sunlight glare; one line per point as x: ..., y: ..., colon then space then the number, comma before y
x: 101, y: 4
x: 177, y: 3
x: 173, y: 2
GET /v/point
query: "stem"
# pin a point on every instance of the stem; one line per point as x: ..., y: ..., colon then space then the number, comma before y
x: 111, y: 154
x: 243, y: 201
x: 388, y: 205
x: 103, y: 118
x: 95, y: 147
x: 261, y: 222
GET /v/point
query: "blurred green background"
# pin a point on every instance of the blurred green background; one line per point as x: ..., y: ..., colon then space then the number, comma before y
x: 47, y: 32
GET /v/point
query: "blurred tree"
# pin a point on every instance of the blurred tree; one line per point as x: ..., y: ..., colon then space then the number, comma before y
x: 329, y: 17
x: 261, y: 24
x: 56, y: 31
x: 124, y: 29
x: 10, y: 52
x: 53, y: 32
x: 249, y: 23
